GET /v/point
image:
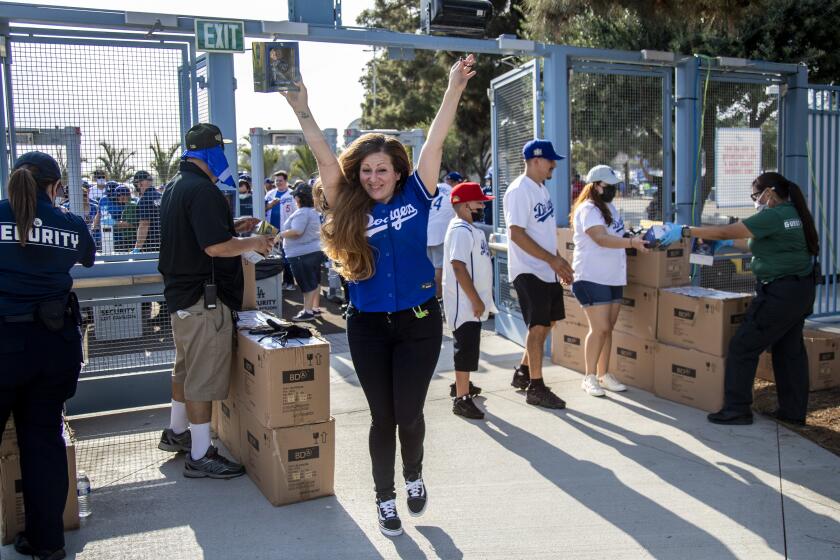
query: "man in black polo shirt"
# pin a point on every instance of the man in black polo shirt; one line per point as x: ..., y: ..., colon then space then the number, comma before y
x: 148, y: 214
x: 202, y: 275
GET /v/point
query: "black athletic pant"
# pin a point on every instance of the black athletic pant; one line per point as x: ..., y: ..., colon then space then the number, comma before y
x: 395, y: 355
x: 775, y: 320
x: 40, y: 370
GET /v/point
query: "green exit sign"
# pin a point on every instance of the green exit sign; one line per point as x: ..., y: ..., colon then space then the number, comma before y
x: 215, y: 35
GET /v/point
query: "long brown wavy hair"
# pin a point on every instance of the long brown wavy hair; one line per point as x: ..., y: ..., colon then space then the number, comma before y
x: 589, y: 192
x: 346, y: 220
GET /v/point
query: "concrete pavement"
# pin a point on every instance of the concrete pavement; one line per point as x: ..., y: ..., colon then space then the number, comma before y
x: 628, y: 476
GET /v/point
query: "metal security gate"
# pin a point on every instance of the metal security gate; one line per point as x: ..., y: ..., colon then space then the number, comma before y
x: 515, y: 119
x: 621, y: 116
x: 823, y: 190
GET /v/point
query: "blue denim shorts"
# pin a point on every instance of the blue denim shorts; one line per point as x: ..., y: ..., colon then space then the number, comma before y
x: 592, y: 293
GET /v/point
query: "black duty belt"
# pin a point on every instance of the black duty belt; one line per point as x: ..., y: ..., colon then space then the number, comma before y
x: 25, y: 318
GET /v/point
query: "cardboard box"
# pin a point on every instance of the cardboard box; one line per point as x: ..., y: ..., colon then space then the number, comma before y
x: 9, y: 445
x: 638, y: 315
x: 567, y: 340
x: 292, y: 464
x: 565, y: 244
x: 689, y: 377
x: 249, y: 293
x: 661, y: 268
x: 574, y: 311
x: 12, y: 515
x: 284, y: 385
x: 229, y: 429
x: 823, y: 350
x: 632, y: 360
x: 700, y: 318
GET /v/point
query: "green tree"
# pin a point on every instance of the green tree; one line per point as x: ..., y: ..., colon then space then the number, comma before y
x: 165, y: 162
x: 115, y: 162
x: 408, y: 93
x: 305, y: 165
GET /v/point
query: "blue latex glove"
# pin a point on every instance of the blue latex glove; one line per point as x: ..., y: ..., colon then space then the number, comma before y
x: 135, y: 251
x: 673, y: 233
x: 718, y: 245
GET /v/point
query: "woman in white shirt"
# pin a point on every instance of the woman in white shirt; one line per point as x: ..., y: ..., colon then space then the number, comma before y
x: 600, y: 266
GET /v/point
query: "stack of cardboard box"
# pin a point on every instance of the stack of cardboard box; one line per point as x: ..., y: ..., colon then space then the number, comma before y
x: 823, y: 348
x: 12, y: 516
x: 276, y: 419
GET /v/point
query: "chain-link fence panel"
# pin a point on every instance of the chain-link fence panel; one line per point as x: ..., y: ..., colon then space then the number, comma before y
x: 740, y: 126
x: 513, y: 121
x: 616, y: 120
x: 201, y: 78
x: 124, y: 102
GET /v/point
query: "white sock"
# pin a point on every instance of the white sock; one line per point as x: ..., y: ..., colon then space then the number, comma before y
x: 200, y: 440
x: 178, y: 421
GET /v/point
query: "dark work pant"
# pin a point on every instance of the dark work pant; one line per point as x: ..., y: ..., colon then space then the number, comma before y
x: 288, y: 275
x: 40, y: 370
x: 774, y: 320
x: 395, y: 355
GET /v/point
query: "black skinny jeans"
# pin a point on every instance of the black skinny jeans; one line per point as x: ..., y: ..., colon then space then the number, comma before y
x: 395, y: 355
x: 774, y: 319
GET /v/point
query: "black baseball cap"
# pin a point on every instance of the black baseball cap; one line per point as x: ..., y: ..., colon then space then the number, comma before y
x: 48, y: 168
x: 302, y: 188
x: 204, y: 135
x: 141, y: 176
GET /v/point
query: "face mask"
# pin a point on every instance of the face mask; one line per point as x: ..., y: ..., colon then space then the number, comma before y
x: 759, y: 207
x: 477, y: 215
x: 243, y: 196
x: 217, y: 162
x: 609, y: 193
x: 100, y: 182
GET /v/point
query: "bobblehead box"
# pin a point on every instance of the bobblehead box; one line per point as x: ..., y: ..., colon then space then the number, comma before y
x: 12, y: 514
x: 565, y: 243
x: 567, y: 340
x: 823, y: 350
x: 283, y: 382
x: 9, y: 445
x: 639, y: 308
x: 227, y: 412
x: 662, y: 267
x: 571, y: 306
x: 689, y: 377
x: 700, y: 318
x: 632, y: 360
x: 289, y: 464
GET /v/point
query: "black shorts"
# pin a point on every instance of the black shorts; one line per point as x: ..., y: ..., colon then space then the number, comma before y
x: 541, y: 302
x: 467, y: 344
x: 307, y: 270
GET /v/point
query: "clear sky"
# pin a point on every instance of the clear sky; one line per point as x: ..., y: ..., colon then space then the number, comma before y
x: 325, y: 68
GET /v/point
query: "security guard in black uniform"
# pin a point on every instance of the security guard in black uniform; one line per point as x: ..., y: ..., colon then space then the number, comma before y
x: 785, y: 245
x: 40, y: 341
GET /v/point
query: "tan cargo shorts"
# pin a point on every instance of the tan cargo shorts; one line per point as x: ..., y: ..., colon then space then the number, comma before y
x: 203, y: 351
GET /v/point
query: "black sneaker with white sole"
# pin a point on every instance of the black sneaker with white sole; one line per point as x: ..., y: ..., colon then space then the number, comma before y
x: 540, y: 395
x: 464, y: 406
x: 175, y: 443
x: 389, y: 521
x: 417, y: 499
x: 520, y: 379
x: 474, y: 390
x: 212, y: 465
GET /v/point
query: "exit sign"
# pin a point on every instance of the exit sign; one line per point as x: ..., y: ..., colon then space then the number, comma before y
x: 214, y: 35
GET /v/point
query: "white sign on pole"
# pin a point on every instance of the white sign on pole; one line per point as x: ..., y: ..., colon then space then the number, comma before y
x: 115, y: 322
x: 737, y: 164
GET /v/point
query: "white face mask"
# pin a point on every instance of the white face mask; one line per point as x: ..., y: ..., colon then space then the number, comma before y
x: 100, y: 182
x: 759, y: 206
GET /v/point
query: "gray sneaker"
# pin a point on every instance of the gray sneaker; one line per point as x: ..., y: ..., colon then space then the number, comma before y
x: 212, y: 465
x: 175, y: 443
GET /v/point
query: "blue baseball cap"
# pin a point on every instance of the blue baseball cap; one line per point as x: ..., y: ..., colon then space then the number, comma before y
x: 454, y: 176
x: 122, y: 190
x: 540, y: 148
x: 489, y: 173
x: 48, y: 168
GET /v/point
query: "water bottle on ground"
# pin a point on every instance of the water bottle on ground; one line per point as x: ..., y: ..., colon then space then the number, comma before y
x: 83, y: 494
x: 107, y: 226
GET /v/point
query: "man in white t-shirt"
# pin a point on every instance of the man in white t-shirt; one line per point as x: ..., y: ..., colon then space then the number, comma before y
x: 440, y: 214
x: 97, y: 189
x: 467, y: 291
x: 534, y: 266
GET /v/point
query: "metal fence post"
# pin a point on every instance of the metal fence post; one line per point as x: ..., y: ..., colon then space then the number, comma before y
x: 4, y: 161
x: 257, y: 172
x: 73, y: 144
x: 687, y: 139
x: 795, y: 128
x: 222, y: 105
x: 556, y: 103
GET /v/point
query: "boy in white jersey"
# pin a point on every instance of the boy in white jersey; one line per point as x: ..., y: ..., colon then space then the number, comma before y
x: 467, y: 291
x: 440, y: 214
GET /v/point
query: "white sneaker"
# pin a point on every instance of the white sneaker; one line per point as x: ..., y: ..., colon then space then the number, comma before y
x: 610, y: 383
x: 590, y: 385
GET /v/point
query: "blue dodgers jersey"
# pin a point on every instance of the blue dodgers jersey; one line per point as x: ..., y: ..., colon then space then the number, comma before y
x: 40, y: 271
x: 403, y: 276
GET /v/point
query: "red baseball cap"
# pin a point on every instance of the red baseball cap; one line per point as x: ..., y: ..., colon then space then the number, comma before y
x: 468, y: 192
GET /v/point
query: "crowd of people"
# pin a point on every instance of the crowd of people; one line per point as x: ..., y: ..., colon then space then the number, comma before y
x: 412, y: 254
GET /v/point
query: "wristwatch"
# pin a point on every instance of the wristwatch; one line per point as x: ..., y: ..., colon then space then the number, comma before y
x: 686, y: 232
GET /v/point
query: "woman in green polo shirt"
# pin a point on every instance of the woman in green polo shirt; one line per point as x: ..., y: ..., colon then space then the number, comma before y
x: 784, y: 243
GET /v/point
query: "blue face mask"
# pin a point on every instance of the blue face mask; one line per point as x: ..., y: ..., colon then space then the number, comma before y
x: 217, y: 162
